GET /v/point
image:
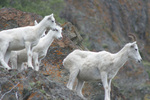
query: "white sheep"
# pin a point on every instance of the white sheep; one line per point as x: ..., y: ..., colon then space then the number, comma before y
x: 39, y: 51
x: 92, y: 66
x: 23, y: 37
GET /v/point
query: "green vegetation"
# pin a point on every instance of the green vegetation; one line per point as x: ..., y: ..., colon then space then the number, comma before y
x: 31, y: 84
x: 146, y: 63
x: 148, y: 73
x: 87, y: 43
x: 42, y: 91
x: 40, y: 7
x: 105, y: 46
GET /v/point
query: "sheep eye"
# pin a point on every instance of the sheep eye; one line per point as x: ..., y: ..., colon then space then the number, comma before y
x: 56, y: 30
x: 135, y: 49
x: 52, y: 21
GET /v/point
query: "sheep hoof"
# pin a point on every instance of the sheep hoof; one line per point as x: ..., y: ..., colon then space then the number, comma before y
x: 10, y: 70
x: 29, y: 68
x: 36, y: 70
x: 82, y: 97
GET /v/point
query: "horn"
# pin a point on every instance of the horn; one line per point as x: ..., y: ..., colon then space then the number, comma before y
x: 132, y: 36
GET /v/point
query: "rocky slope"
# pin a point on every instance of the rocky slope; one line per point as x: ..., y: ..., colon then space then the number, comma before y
x: 31, y: 85
x: 50, y: 82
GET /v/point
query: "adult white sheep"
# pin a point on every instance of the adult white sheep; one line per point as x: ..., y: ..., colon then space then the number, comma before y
x: 39, y: 51
x: 91, y: 66
x: 23, y: 37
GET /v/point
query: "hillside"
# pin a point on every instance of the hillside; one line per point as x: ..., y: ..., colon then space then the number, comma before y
x: 96, y: 25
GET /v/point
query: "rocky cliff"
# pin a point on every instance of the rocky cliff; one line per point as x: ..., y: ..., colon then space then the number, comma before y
x: 50, y: 82
x: 98, y: 25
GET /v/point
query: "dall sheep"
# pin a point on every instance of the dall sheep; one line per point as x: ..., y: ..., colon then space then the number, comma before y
x: 18, y: 58
x: 92, y: 66
x: 23, y: 37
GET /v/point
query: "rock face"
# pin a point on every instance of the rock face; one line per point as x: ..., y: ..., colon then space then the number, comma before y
x: 49, y: 83
x: 31, y: 85
x: 105, y: 24
x: 109, y: 22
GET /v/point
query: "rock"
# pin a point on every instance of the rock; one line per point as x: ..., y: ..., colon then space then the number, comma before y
x: 31, y: 85
x: 147, y: 97
x: 12, y: 18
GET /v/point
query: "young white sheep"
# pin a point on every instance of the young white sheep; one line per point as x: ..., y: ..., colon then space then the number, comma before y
x: 39, y: 51
x: 92, y: 66
x: 23, y: 37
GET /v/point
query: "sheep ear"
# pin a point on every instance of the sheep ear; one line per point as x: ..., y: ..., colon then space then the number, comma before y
x: 133, y: 44
x: 50, y: 17
x: 35, y: 22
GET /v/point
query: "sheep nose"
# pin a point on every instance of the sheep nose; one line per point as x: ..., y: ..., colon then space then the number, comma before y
x: 139, y: 61
x: 60, y: 38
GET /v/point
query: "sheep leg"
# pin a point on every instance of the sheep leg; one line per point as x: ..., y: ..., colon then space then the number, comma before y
x: 79, y: 88
x: 24, y: 66
x: 72, y: 77
x: 13, y: 60
x: 7, y: 56
x: 110, y: 83
x: 3, y: 50
x: 105, y: 85
x: 36, y: 63
x: 20, y: 67
x: 109, y: 87
x: 40, y: 62
x: 29, y: 54
x: 4, y: 64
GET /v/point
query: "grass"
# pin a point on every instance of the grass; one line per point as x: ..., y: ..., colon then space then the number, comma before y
x: 87, y: 43
x: 40, y: 7
x: 42, y: 91
x: 146, y: 63
x: 105, y: 46
x: 31, y: 84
